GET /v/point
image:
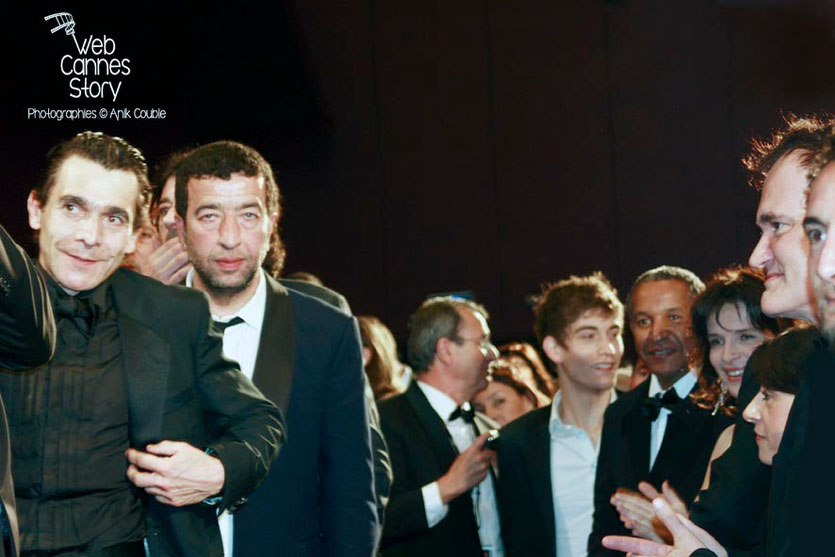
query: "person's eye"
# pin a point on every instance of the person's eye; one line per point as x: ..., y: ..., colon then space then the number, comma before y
x: 116, y: 219
x: 715, y: 342
x: 162, y: 211
x: 675, y: 317
x: 777, y: 226
x: 815, y: 234
x: 748, y: 337
x: 642, y: 322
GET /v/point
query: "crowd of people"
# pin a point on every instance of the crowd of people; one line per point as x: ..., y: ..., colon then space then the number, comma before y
x: 169, y: 391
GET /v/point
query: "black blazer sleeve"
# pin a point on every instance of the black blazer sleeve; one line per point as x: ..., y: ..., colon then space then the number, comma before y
x: 352, y: 526
x: 27, y: 330
x: 247, y: 429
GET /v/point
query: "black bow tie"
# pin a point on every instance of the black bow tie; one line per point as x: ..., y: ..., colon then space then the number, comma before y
x: 466, y: 412
x: 652, y: 405
x: 78, y: 310
x: 223, y: 325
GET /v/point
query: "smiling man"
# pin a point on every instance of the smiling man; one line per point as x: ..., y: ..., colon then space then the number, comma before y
x: 442, y: 498
x: 136, y: 372
x: 548, y: 458
x: 654, y: 432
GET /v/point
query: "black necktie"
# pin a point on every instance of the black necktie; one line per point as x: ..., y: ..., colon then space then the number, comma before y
x: 652, y: 405
x: 78, y: 310
x: 466, y: 412
x: 222, y: 326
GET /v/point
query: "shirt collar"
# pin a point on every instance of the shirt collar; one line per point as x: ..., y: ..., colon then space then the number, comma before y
x: 441, y: 403
x: 253, y: 311
x: 683, y: 386
x: 556, y: 427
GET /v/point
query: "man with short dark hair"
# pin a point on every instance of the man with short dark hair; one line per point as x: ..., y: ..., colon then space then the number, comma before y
x: 136, y: 372
x: 442, y: 498
x: 302, y: 353
x: 654, y: 432
x: 548, y: 458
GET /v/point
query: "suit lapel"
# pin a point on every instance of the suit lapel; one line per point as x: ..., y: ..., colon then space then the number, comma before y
x: 433, y: 426
x: 636, y: 435
x: 538, y: 455
x: 146, y: 369
x: 275, y: 362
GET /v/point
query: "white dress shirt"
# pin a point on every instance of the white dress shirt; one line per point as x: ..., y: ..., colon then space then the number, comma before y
x: 240, y: 343
x: 484, y: 496
x: 573, y: 469
x: 682, y: 387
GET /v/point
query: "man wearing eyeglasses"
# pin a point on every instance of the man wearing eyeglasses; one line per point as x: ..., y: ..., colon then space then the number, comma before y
x: 443, y: 496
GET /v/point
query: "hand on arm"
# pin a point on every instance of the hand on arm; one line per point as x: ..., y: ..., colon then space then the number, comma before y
x: 467, y: 470
x: 176, y: 473
x: 687, y: 537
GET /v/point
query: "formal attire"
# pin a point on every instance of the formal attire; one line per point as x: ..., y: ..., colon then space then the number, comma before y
x: 424, y: 439
x: 732, y: 509
x: 318, y: 499
x: 136, y: 363
x: 651, y: 438
x: 27, y: 339
x: 382, y: 463
x: 546, y: 494
x: 801, y: 485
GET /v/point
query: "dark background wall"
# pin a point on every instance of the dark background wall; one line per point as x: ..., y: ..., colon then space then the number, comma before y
x: 435, y: 146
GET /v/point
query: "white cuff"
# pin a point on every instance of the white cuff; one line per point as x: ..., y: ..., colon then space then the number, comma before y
x: 433, y: 504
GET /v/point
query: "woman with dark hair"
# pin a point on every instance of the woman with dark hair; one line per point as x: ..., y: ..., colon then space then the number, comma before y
x: 379, y: 356
x: 778, y: 367
x: 506, y: 397
x: 531, y: 369
x: 729, y: 324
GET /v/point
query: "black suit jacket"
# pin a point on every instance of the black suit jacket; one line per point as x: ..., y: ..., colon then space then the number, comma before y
x: 27, y: 339
x: 685, y: 453
x: 382, y: 463
x: 732, y: 509
x: 319, y: 497
x: 421, y: 452
x: 525, y: 493
x: 798, y: 520
x: 181, y: 388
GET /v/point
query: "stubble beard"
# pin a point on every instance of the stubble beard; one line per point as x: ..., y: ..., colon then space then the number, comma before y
x: 215, y: 287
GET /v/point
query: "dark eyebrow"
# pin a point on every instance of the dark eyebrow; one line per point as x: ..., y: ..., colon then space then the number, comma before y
x: 117, y: 212
x: 251, y: 205
x: 812, y: 221
x: 770, y: 217
x: 75, y: 200
x: 214, y: 206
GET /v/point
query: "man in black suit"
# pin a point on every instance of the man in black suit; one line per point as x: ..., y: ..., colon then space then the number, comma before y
x: 442, y: 498
x: 302, y: 353
x: 654, y: 432
x: 27, y: 339
x: 548, y: 457
x: 197, y: 435
x: 732, y: 508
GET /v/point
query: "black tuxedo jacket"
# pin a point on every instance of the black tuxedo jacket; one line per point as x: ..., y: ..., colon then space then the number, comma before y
x: 422, y: 451
x: 319, y: 497
x: 685, y: 453
x: 181, y: 388
x: 27, y: 339
x: 526, y: 502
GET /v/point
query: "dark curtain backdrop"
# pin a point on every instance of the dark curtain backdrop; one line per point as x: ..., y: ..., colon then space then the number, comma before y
x: 440, y: 146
